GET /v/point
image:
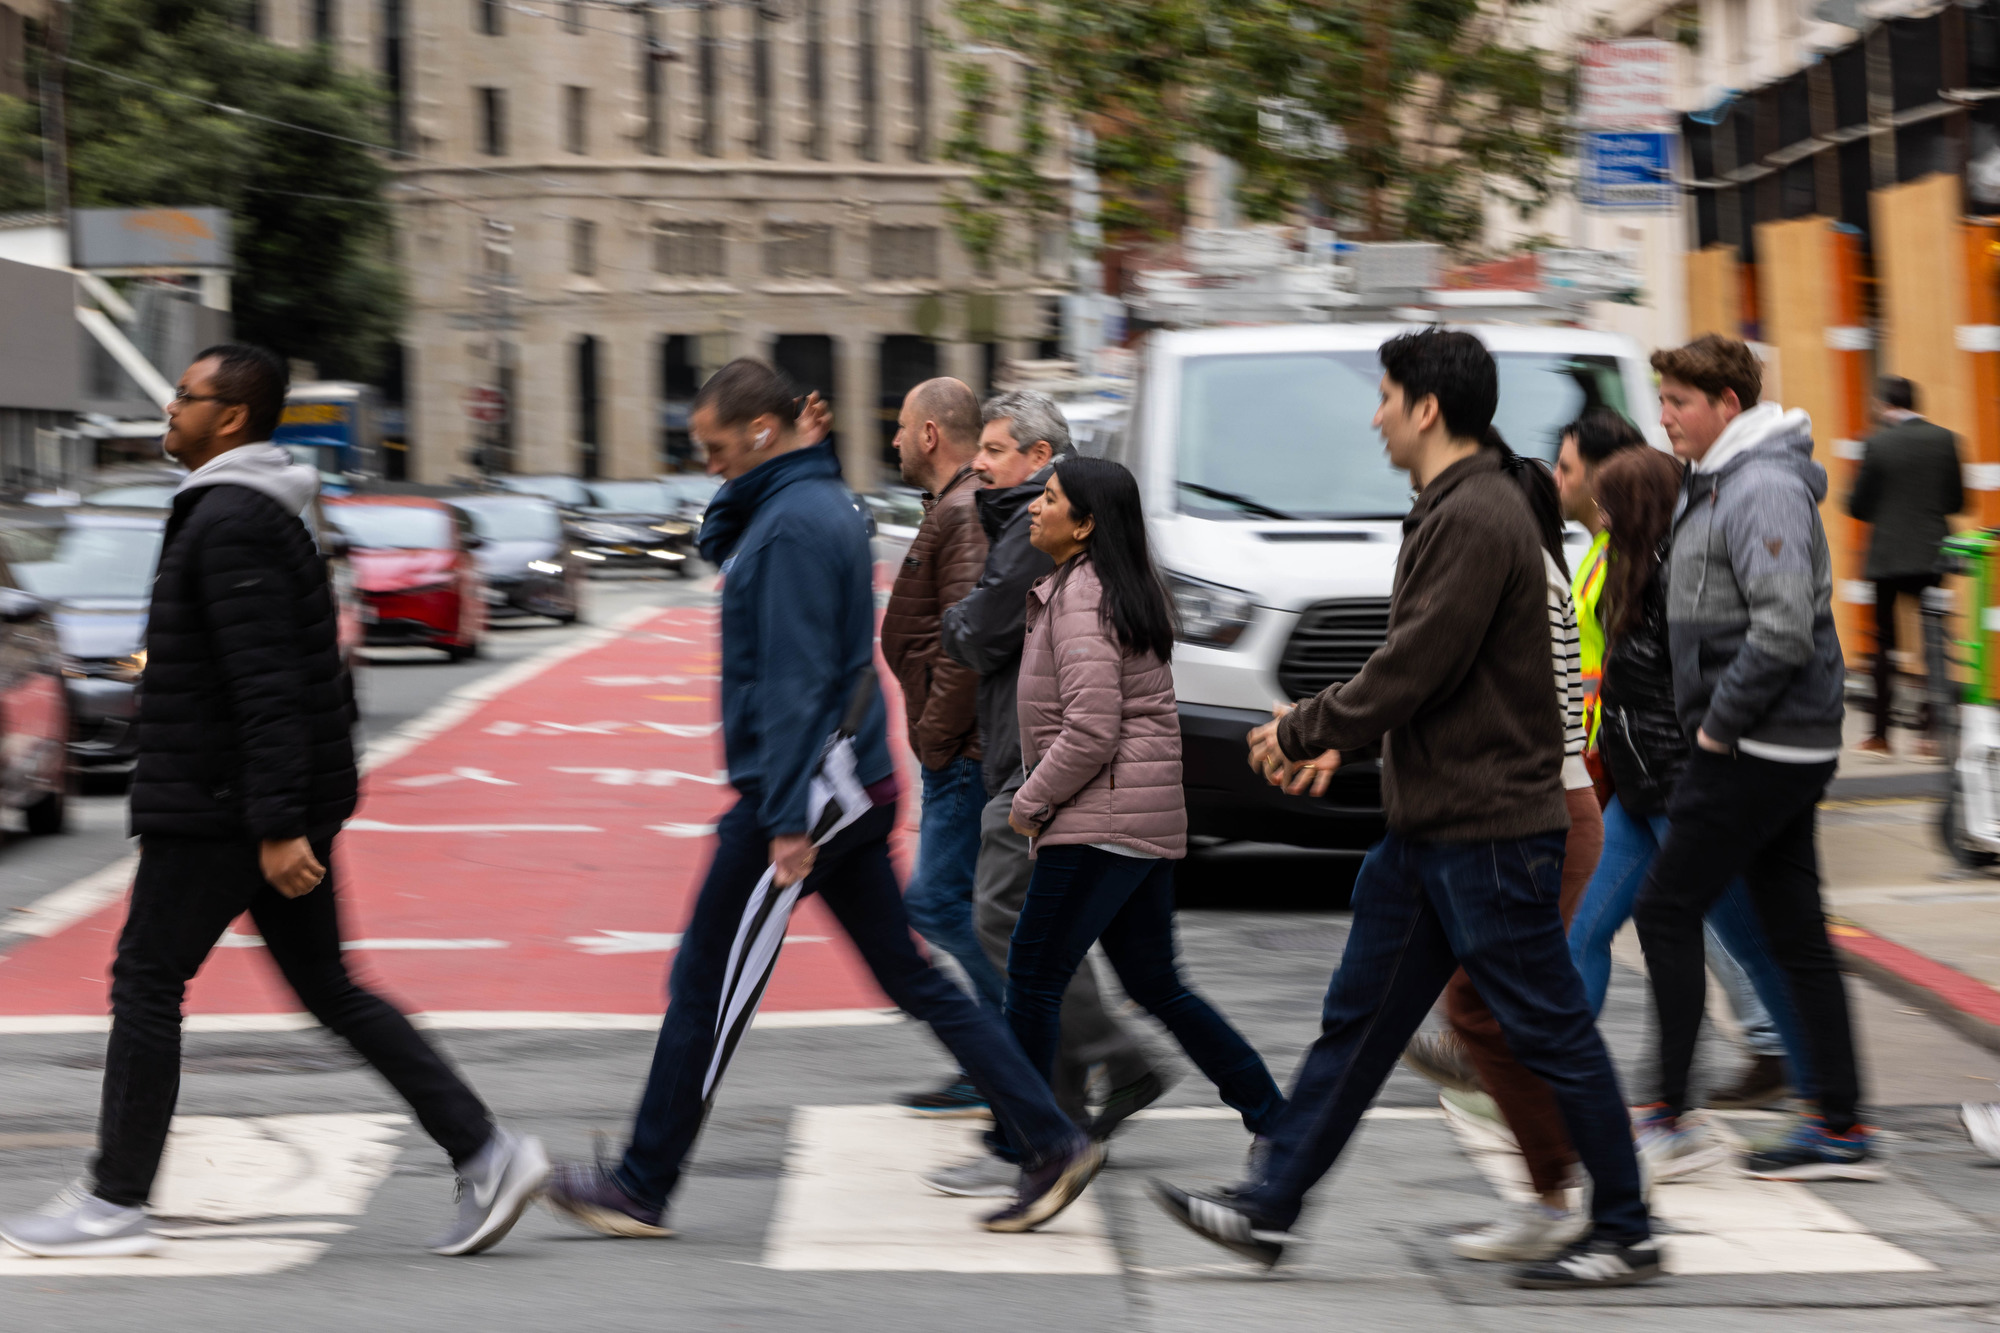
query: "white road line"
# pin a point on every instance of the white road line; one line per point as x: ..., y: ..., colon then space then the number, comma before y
x: 449, y: 1020
x: 851, y: 1201
x: 682, y: 830
x: 231, y: 1187
x: 464, y: 701
x: 377, y: 826
x: 72, y: 903
x: 1226, y: 1113
x: 1724, y: 1222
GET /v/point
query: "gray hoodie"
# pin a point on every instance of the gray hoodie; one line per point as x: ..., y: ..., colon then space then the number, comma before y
x: 1757, y: 664
x: 261, y: 467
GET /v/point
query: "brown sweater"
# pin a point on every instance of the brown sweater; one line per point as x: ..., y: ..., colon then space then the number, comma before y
x: 1459, y: 693
x: 940, y: 697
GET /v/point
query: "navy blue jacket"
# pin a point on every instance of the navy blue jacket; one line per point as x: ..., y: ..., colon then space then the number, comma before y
x: 798, y: 628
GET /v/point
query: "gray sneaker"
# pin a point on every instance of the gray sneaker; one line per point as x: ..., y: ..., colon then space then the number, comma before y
x: 984, y: 1177
x: 494, y: 1189
x: 76, y: 1224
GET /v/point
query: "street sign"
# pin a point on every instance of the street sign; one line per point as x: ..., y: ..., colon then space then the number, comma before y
x: 486, y: 405
x: 1633, y: 171
x: 1627, y: 85
x: 117, y: 238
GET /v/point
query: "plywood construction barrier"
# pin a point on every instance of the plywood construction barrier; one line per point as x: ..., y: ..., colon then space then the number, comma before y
x: 1809, y: 302
x: 1714, y: 292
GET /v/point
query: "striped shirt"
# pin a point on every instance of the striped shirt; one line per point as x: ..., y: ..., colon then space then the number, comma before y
x: 1566, y: 654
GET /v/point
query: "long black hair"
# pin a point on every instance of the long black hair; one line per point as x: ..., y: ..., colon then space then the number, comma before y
x: 1538, y: 484
x: 1135, y: 600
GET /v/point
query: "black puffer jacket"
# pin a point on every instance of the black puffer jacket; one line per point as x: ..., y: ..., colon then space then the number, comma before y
x: 246, y: 715
x: 985, y: 628
x: 1638, y: 732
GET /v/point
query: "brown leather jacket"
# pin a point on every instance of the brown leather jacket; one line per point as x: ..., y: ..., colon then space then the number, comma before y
x: 940, y: 696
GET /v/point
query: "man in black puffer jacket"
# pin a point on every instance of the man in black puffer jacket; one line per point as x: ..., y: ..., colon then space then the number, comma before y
x: 245, y: 773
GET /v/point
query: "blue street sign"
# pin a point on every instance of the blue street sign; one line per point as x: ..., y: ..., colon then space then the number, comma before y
x: 1623, y: 170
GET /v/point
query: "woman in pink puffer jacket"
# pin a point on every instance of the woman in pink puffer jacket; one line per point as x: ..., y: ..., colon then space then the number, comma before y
x: 1101, y: 743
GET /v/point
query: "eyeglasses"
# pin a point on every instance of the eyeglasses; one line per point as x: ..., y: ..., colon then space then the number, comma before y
x: 183, y: 396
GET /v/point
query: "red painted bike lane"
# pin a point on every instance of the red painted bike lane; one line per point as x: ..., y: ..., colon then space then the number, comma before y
x: 539, y: 856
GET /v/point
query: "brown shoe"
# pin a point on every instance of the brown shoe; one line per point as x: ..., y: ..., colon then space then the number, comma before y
x: 1875, y: 745
x: 1763, y: 1083
x: 1441, y: 1058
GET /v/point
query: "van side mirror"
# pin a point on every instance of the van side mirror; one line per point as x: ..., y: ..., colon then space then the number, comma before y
x: 18, y: 607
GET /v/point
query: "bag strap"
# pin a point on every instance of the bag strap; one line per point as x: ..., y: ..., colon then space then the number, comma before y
x: 859, y: 701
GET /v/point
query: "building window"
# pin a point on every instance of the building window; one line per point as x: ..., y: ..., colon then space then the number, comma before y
x: 651, y: 78
x: 587, y: 440
x: 798, y: 251
x: 920, y: 80
x: 760, y: 82
x: 492, y: 121
x: 583, y: 247
x: 576, y: 120
x: 871, y: 101
x: 486, y: 16
x: 903, y: 253
x: 572, y: 16
x: 680, y: 378
x: 392, y: 70
x: 816, y: 78
x: 689, y: 250
x: 325, y: 21
x: 708, y: 68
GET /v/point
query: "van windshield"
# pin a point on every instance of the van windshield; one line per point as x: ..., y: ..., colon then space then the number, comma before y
x: 1287, y: 434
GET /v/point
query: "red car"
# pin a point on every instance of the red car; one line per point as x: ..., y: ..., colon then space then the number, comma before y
x: 413, y: 565
x: 34, y: 715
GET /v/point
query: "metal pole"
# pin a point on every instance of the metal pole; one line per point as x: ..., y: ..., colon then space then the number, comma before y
x: 55, y: 133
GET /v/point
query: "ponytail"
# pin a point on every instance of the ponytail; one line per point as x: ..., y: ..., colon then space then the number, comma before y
x: 1538, y: 485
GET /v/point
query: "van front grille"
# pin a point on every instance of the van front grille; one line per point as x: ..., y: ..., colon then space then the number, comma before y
x: 1331, y: 642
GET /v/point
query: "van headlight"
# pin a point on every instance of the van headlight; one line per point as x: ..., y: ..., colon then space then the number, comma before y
x: 1208, y: 613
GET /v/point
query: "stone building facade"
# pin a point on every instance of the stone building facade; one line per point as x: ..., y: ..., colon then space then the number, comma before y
x: 602, y: 202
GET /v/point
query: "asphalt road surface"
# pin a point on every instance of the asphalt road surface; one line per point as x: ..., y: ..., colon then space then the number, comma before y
x: 531, y: 834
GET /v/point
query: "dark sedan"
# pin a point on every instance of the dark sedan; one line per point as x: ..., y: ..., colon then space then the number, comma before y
x: 634, y: 525
x: 94, y: 570
x: 528, y: 566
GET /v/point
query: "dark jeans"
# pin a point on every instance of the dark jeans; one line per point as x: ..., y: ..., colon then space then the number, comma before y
x: 1080, y: 895
x: 186, y: 893
x: 1886, y: 592
x: 938, y: 897
x: 852, y: 873
x: 1421, y: 910
x: 1737, y: 815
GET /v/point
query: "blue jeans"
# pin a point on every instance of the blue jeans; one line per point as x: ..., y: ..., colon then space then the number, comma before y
x: 852, y: 873
x: 1630, y: 846
x: 939, y: 895
x: 1080, y: 895
x: 1421, y: 911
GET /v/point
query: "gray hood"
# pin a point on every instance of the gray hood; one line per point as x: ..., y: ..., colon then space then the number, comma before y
x: 1767, y: 433
x: 261, y: 467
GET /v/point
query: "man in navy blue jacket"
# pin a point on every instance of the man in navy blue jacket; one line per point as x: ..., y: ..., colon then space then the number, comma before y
x: 798, y: 639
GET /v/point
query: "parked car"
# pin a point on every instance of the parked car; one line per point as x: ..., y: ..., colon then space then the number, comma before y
x: 414, y: 562
x: 93, y: 571
x: 527, y: 565
x: 691, y: 492
x: 34, y: 716
x: 634, y: 525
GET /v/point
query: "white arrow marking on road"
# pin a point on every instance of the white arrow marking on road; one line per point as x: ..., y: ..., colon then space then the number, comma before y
x: 685, y: 730
x: 234, y: 940
x: 683, y: 830
x: 642, y: 777
x: 456, y: 775
x: 633, y: 682
x: 640, y: 941
x: 377, y: 826
x: 55, y: 912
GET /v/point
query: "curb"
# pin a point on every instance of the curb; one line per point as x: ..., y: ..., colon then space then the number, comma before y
x: 1968, y: 1005
x: 1887, y: 786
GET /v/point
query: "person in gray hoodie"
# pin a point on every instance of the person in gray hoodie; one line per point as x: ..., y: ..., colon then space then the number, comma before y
x: 1758, y: 677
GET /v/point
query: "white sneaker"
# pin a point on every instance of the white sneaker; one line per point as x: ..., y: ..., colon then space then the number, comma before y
x: 1532, y: 1232
x: 1669, y: 1149
x: 984, y: 1177
x: 1982, y: 1122
x: 76, y: 1224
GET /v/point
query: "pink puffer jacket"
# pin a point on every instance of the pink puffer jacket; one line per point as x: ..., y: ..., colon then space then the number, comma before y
x: 1100, y: 736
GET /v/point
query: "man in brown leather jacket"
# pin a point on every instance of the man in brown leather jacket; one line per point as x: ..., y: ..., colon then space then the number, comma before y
x: 937, y: 437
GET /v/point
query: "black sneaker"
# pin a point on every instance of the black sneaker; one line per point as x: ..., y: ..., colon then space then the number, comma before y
x: 1050, y: 1188
x: 1222, y: 1220
x: 954, y: 1101
x: 1593, y: 1263
x: 1122, y: 1103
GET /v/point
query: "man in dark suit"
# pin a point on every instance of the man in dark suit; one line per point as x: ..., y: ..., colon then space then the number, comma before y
x: 1909, y: 482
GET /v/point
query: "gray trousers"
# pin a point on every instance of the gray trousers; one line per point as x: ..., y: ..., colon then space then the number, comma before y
x: 1090, y: 1035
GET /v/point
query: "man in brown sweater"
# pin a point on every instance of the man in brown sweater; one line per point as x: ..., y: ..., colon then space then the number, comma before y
x: 1461, y: 698
x: 937, y: 437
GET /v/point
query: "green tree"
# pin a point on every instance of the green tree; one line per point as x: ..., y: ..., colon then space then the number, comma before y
x: 315, y: 277
x: 1398, y: 118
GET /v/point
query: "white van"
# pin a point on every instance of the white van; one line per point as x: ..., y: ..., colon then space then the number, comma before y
x: 1276, y: 519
